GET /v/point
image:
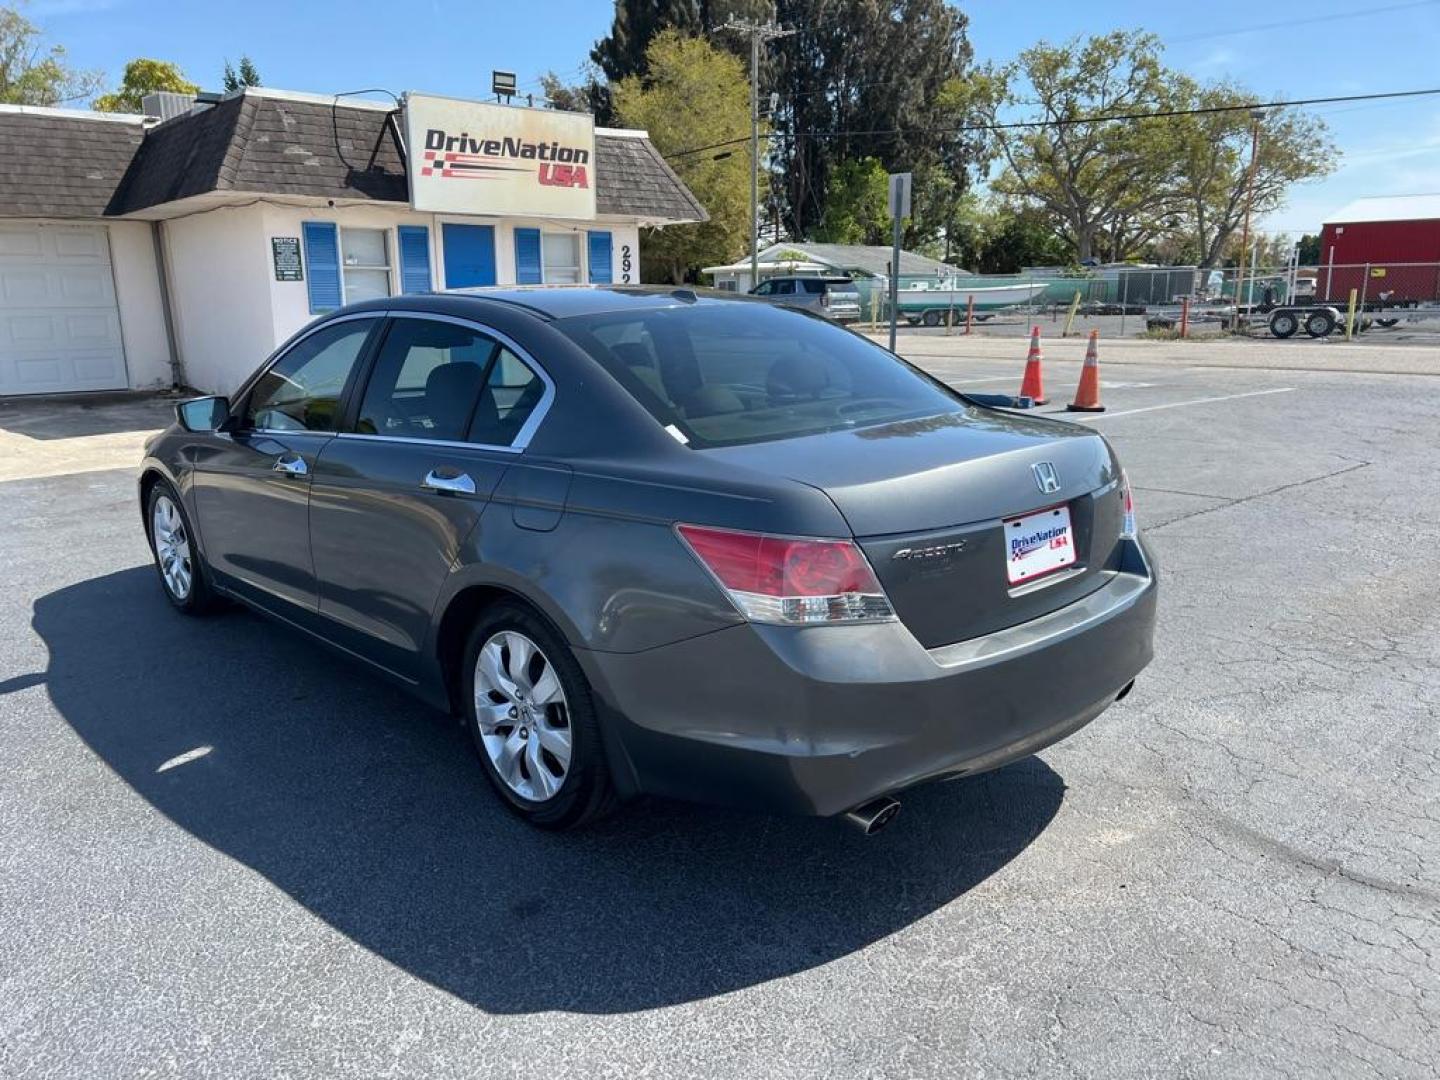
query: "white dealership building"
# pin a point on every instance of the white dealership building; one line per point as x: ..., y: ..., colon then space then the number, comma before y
x: 179, y: 249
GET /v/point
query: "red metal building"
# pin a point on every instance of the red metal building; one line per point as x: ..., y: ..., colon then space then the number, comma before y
x: 1387, y: 248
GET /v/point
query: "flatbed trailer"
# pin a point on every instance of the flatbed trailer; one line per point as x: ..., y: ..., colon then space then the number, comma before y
x: 1321, y: 318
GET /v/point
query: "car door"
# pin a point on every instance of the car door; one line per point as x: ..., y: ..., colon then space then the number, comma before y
x: 790, y: 293
x: 252, y: 482
x: 446, y: 408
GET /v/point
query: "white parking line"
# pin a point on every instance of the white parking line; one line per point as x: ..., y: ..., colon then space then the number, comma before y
x: 1179, y: 404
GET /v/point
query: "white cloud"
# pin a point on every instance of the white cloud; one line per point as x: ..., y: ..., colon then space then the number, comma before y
x: 1216, y: 59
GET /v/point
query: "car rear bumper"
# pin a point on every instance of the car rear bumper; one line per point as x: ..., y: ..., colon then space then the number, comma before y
x: 818, y: 720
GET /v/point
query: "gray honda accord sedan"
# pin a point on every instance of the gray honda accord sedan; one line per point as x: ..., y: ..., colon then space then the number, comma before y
x: 663, y: 541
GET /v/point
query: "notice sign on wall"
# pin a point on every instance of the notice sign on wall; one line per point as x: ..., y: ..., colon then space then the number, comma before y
x: 472, y: 157
x: 286, y: 251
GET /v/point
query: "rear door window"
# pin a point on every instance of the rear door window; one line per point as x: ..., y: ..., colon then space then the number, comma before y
x: 512, y: 393
x: 815, y: 287
x: 427, y: 381
x: 728, y: 373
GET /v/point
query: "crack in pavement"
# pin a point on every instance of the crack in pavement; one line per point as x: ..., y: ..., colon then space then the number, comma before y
x: 1331, y: 868
x: 1258, y: 495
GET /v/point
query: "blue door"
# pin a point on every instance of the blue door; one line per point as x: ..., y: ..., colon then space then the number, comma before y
x: 469, y: 255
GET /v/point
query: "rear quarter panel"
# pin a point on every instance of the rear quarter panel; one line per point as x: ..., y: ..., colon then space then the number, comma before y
x: 610, y: 571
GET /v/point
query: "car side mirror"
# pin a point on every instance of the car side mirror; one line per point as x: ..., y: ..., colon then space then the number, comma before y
x: 203, y: 413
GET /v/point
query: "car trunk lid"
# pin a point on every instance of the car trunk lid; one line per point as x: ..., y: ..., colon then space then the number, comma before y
x: 928, y: 501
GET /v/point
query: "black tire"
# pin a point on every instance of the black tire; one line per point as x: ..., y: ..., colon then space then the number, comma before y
x: 1320, y: 324
x: 1387, y: 323
x: 931, y: 318
x: 586, y: 792
x: 199, y: 598
x: 1284, y: 324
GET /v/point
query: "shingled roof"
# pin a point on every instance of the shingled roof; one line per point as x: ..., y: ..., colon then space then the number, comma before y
x: 59, y: 165
x: 268, y: 144
x: 634, y: 180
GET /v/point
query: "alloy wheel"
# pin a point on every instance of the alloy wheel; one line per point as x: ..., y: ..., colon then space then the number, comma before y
x: 172, y: 547
x: 522, y: 714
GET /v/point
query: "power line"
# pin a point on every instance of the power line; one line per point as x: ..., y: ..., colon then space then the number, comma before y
x: 1072, y: 121
x: 1288, y: 23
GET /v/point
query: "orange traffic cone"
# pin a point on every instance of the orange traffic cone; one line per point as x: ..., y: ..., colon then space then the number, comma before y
x: 1087, y: 394
x: 1032, y: 385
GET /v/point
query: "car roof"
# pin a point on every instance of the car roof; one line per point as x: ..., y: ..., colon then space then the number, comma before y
x: 554, y: 301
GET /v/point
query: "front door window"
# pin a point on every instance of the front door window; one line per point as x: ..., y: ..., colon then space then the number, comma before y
x: 302, y: 390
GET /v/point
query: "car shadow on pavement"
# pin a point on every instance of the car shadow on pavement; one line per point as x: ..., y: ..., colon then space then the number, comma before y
x: 369, y: 810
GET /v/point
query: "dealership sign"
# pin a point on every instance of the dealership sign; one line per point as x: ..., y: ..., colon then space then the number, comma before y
x: 471, y: 157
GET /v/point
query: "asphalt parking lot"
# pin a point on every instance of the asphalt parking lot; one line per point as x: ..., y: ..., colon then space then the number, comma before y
x: 225, y: 853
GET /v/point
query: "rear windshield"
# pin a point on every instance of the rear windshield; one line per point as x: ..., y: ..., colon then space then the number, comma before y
x: 726, y: 374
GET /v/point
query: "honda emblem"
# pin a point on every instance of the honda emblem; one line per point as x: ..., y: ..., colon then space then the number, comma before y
x: 1046, y: 478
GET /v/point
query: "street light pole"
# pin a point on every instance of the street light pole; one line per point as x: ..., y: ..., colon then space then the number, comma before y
x: 759, y: 32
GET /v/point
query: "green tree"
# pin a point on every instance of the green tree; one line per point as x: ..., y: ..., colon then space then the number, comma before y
x: 32, y: 73
x: 997, y: 237
x: 590, y: 94
x: 1104, y: 183
x: 1310, y: 249
x: 1023, y: 238
x: 1214, y: 180
x: 892, y: 75
x: 692, y: 94
x: 143, y: 77
x: 857, y: 205
x: 870, y: 79
x: 624, y: 51
x: 246, y: 75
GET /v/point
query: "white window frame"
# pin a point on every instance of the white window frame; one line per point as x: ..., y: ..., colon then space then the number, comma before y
x: 582, y: 271
x: 391, y: 242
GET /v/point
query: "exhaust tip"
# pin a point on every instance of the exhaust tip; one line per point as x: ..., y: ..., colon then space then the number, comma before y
x: 874, y: 815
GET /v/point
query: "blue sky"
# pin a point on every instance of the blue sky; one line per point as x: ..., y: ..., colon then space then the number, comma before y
x: 450, y: 47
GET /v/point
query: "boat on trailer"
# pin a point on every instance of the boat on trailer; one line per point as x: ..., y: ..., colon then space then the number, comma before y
x: 931, y: 305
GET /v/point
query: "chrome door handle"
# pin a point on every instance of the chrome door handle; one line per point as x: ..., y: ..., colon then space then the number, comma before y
x: 459, y: 484
x: 291, y: 465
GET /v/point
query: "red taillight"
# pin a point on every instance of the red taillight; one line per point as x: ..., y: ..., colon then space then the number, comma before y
x: 1127, y: 497
x: 788, y: 580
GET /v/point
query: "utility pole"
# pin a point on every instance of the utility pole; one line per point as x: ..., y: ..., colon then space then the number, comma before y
x: 759, y: 32
x: 1256, y: 115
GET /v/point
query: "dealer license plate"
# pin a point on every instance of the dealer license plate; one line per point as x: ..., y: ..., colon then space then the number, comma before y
x: 1038, y: 543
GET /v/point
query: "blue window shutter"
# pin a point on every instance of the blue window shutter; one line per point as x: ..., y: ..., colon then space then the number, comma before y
x: 600, y: 249
x: 414, y: 258
x: 322, y: 259
x: 527, y: 257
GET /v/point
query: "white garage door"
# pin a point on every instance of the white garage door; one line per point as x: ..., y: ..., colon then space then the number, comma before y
x: 59, y: 327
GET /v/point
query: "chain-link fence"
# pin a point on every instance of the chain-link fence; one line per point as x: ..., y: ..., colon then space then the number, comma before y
x: 1386, y: 302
